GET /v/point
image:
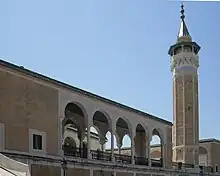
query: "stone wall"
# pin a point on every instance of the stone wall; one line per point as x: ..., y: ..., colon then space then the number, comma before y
x: 37, y: 170
x: 24, y: 105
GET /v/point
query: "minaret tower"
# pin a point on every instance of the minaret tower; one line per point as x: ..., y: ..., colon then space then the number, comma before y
x: 184, y: 66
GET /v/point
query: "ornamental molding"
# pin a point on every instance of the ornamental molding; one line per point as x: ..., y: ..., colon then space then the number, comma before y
x: 178, y: 62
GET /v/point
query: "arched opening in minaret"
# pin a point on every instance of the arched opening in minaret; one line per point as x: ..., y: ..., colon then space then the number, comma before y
x: 156, y: 149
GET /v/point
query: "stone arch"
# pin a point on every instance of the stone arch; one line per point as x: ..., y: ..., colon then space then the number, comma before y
x: 159, y: 161
x: 203, y: 156
x: 123, y: 133
x: 146, y: 128
x: 158, y: 132
x: 77, y: 113
x: 69, y: 141
x: 75, y: 118
x: 102, y: 124
x: 140, y: 126
x: 78, y: 105
x: 106, y: 114
x: 179, y: 154
x: 69, y: 146
x: 203, y: 150
x: 128, y: 124
x: 101, y: 121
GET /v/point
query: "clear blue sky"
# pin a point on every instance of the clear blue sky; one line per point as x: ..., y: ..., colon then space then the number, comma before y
x: 117, y: 49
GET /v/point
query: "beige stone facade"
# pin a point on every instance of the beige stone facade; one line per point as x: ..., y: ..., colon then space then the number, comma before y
x: 185, y: 128
x: 24, y: 105
x: 36, y: 100
x: 35, y: 108
x: 47, y: 124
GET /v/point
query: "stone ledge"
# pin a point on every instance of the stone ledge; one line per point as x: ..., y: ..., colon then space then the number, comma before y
x: 96, y: 165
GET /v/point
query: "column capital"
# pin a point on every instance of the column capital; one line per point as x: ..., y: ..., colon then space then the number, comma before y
x: 61, y: 118
x: 133, y: 134
x: 102, y: 140
x: 119, y: 145
x: 113, y: 129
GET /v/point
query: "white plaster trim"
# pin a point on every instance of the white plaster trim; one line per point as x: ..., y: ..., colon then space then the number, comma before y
x: 2, y: 137
x: 31, y: 149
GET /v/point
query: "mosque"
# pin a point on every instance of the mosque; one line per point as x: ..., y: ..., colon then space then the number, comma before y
x: 47, y: 124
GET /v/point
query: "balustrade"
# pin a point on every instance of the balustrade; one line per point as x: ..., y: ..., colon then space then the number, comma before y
x: 106, y: 156
x: 126, y: 159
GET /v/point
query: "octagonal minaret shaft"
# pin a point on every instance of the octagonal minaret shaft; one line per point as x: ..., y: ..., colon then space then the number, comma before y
x: 184, y: 66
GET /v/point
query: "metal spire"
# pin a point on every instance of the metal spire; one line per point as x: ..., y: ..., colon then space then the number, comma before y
x: 182, y: 11
x: 183, y: 28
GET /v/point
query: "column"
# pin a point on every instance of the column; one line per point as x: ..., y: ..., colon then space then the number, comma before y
x: 62, y: 172
x: 90, y: 172
x: 194, y: 161
x: 81, y: 136
x: 164, y: 154
x: 112, y: 147
x: 60, y: 136
x: 102, y: 142
x: 148, y: 149
x: 119, y: 148
x: 88, y: 143
x: 132, y: 149
x: 64, y: 168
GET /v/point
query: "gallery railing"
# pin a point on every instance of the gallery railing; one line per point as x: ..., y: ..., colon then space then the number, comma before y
x: 157, y: 163
x: 207, y: 169
x: 203, y: 169
x: 99, y: 155
x: 141, y: 161
x: 180, y: 165
x: 106, y: 156
x: 122, y: 158
x: 75, y: 152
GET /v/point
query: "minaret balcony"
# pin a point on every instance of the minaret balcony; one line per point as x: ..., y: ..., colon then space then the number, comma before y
x: 184, y: 61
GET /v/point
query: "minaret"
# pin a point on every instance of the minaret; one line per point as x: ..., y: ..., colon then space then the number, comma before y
x: 184, y: 66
